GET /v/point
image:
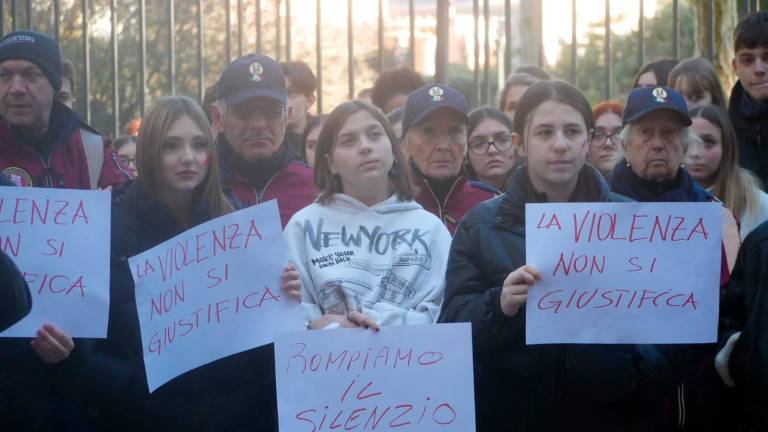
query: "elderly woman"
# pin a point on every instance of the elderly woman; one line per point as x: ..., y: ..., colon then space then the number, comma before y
x: 435, y: 141
x: 654, y: 140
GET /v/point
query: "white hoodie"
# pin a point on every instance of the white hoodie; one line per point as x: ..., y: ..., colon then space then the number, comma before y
x: 388, y: 260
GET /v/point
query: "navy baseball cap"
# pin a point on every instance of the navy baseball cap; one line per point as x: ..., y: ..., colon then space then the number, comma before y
x: 422, y: 101
x: 644, y: 100
x: 253, y: 75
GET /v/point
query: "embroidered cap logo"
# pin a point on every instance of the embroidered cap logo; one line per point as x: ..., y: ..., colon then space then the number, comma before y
x: 436, y: 93
x: 659, y: 94
x: 256, y: 70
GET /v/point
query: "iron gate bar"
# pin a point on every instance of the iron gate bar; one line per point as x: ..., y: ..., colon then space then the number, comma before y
x: 239, y: 28
x: 115, y: 75
x: 710, y: 30
x: 258, y: 26
x: 350, y: 52
x: 288, y: 53
x: 29, y: 14
x: 574, y: 47
x: 507, y: 37
x: 200, y: 63
x: 228, y: 39
x: 171, y: 47
x: 142, y: 58
x: 641, y: 36
x: 675, y: 28
x: 319, y: 53
x: 381, y: 35
x: 608, y: 65
x: 412, y: 32
x: 487, y: 70
x: 86, y: 61
x: 476, y: 38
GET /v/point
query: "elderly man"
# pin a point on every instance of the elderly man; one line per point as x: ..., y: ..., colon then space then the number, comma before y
x: 257, y: 164
x: 654, y: 140
x: 42, y: 142
x: 435, y: 140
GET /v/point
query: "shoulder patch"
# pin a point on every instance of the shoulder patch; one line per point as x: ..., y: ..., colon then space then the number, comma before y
x: 18, y: 176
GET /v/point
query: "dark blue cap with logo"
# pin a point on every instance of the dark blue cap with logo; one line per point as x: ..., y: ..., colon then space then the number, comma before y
x: 644, y: 100
x: 424, y: 100
x: 253, y: 75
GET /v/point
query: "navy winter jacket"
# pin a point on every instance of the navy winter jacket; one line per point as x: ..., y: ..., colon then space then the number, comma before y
x: 521, y: 387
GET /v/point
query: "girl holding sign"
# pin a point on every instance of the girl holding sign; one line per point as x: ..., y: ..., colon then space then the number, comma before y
x: 367, y: 254
x: 537, y: 387
x: 179, y: 188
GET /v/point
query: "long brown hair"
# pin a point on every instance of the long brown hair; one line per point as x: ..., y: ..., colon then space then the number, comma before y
x: 697, y: 75
x: 156, y: 123
x: 399, y: 176
x: 734, y: 185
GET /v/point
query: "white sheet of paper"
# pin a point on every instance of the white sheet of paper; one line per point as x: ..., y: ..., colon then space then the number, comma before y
x: 416, y: 378
x: 60, y: 240
x: 212, y: 291
x: 613, y: 274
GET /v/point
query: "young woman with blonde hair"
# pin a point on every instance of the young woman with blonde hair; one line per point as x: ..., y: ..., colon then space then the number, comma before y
x: 713, y: 161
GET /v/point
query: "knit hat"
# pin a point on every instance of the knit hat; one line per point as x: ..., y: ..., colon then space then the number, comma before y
x: 35, y: 47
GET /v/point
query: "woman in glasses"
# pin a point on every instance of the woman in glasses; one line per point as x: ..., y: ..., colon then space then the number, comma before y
x: 490, y: 156
x: 604, y: 140
x: 435, y: 141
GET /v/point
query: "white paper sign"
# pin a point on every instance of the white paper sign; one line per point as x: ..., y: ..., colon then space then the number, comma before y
x: 623, y: 272
x: 212, y: 291
x: 59, y: 239
x: 416, y: 378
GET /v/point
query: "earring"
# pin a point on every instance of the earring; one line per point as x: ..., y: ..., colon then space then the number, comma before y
x: 627, y: 164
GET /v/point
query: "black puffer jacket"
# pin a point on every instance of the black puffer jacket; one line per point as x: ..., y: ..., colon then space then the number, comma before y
x: 521, y: 387
x: 234, y: 393
x: 745, y: 308
x: 752, y: 132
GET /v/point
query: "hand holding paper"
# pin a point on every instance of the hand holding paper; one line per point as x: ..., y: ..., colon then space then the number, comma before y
x: 514, y: 293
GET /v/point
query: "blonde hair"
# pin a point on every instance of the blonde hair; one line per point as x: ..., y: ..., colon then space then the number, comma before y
x: 736, y: 186
x: 155, y: 124
x: 697, y: 75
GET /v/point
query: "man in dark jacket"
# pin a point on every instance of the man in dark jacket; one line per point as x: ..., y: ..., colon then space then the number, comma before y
x: 42, y: 142
x: 748, y: 106
x: 257, y: 164
x: 743, y: 360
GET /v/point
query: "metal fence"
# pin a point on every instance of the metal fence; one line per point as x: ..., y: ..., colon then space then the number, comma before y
x: 12, y: 10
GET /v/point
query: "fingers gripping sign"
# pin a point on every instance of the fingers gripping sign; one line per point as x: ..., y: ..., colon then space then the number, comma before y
x: 51, y: 344
x: 514, y: 292
x: 290, y: 282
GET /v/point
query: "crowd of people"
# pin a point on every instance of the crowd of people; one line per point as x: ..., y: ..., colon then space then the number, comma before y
x: 431, y: 196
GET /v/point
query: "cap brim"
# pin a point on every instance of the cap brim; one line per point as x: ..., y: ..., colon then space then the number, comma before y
x: 432, y: 108
x: 683, y: 117
x: 244, y: 95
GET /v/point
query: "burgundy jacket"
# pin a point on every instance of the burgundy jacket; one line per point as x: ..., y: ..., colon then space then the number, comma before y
x: 292, y: 186
x: 65, y: 165
x: 463, y: 196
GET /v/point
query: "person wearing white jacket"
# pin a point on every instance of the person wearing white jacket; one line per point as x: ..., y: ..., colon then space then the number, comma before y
x: 367, y: 254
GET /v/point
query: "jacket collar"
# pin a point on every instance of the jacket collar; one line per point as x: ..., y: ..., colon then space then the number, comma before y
x: 590, y: 187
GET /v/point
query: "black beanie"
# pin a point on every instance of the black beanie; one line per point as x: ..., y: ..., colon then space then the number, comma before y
x: 37, y: 48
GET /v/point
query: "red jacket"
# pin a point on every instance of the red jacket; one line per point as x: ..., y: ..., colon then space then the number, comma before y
x: 66, y: 165
x: 463, y: 196
x: 293, y: 187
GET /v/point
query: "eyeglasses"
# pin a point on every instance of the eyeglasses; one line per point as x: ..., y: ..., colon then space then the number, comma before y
x: 480, y: 145
x: 600, y: 138
x: 456, y: 133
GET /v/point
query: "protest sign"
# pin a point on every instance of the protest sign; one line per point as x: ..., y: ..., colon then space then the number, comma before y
x: 416, y: 378
x: 212, y: 291
x: 59, y: 239
x: 623, y: 272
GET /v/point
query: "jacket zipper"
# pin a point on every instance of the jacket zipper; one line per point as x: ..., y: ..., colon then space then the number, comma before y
x: 440, y: 207
x: 260, y: 195
x: 46, y: 166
